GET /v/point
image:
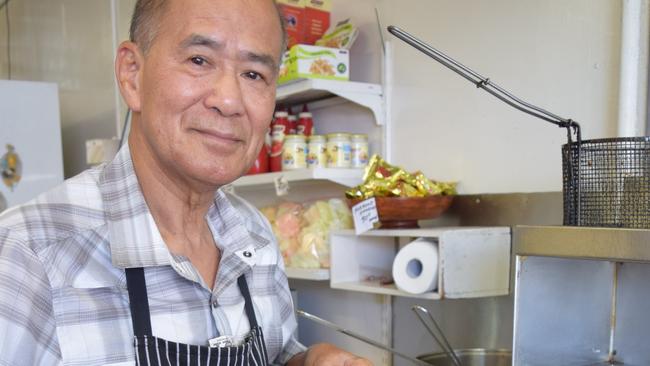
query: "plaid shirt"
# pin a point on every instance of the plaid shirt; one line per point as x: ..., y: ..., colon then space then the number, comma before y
x: 63, y: 296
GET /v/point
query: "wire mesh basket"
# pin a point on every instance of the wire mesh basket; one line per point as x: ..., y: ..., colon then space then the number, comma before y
x: 607, y: 182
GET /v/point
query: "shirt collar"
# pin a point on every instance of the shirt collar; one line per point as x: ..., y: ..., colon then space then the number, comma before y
x: 135, y: 240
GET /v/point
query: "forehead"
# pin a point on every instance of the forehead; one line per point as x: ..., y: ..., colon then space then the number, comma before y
x: 247, y: 23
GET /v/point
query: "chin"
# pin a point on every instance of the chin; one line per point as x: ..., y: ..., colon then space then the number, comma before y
x: 221, y: 176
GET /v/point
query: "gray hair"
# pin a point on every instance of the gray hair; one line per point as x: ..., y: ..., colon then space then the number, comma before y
x: 144, y: 25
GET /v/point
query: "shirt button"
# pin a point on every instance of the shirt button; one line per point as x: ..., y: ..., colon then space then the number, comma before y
x: 215, y: 304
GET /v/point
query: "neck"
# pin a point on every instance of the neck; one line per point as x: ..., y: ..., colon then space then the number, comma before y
x: 177, y: 204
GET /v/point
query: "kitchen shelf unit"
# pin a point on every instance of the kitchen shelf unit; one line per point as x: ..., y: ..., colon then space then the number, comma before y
x: 473, y: 261
x: 311, y: 90
x: 313, y: 274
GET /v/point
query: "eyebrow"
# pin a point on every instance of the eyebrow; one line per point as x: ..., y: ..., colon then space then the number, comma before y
x: 264, y: 59
x: 199, y: 40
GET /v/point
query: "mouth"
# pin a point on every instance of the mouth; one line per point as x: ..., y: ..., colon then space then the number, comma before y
x: 218, y: 137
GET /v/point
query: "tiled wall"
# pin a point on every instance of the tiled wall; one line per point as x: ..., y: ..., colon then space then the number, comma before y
x: 69, y: 42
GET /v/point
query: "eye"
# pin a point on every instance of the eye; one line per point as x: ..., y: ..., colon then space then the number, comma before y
x: 198, y: 60
x: 253, y: 75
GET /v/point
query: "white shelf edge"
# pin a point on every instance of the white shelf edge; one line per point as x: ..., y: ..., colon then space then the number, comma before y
x: 348, y: 177
x: 428, y: 232
x: 314, y: 274
x: 375, y: 288
x: 284, y: 91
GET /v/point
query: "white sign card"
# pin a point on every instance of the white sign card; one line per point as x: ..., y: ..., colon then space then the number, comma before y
x: 365, y: 215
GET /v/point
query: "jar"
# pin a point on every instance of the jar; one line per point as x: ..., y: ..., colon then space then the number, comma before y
x: 294, y: 153
x: 279, y: 129
x: 359, y: 150
x: 305, y: 124
x: 317, y: 152
x: 339, y: 150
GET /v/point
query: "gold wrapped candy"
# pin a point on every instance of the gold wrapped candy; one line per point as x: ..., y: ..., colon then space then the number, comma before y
x: 381, y: 179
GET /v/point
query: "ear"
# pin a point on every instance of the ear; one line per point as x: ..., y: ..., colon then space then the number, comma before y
x: 128, y: 71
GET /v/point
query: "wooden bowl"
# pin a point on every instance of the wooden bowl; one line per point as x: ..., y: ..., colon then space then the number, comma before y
x: 404, y: 212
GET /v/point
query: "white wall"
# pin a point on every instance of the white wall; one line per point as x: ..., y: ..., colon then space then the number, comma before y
x: 560, y: 55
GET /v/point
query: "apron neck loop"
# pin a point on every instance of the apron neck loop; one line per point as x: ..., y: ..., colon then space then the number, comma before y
x: 138, y: 301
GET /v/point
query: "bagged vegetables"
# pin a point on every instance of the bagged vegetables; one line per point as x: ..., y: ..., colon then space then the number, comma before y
x: 302, y: 230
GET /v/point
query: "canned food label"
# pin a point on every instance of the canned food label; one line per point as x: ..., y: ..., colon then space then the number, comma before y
x: 294, y: 156
x: 359, y: 155
x: 339, y: 155
x: 317, y: 155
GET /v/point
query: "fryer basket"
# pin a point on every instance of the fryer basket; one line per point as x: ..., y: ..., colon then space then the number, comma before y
x: 606, y: 182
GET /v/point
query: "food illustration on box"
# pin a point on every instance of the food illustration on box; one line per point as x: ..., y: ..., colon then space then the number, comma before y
x: 302, y: 230
x: 321, y: 67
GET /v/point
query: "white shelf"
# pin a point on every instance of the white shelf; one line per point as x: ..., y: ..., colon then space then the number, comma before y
x: 314, y: 274
x: 376, y: 288
x: 309, y: 90
x: 343, y: 176
x: 420, y: 232
x: 473, y: 261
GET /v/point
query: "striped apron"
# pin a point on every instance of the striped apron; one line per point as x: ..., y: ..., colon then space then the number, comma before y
x: 150, y: 350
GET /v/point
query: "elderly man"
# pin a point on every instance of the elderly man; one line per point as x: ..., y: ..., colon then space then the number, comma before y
x: 144, y: 260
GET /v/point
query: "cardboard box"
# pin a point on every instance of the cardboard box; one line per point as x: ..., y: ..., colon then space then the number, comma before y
x: 317, y: 19
x: 295, y: 20
x: 315, y: 62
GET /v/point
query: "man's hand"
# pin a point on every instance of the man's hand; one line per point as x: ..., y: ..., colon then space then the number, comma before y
x: 324, y: 354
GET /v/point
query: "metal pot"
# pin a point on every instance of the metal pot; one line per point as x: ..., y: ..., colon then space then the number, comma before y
x: 471, y: 357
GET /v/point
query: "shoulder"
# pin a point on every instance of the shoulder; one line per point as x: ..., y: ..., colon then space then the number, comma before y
x: 71, y: 207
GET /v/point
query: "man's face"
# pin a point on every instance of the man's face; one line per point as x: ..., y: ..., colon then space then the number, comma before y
x: 207, y: 87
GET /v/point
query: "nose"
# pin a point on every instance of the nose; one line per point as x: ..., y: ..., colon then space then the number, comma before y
x: 226, y: 95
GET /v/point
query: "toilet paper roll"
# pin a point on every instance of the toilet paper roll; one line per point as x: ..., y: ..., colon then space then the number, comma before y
x: 415, y: 268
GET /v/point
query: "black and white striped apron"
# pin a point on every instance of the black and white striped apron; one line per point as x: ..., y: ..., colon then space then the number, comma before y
x: 150, y: 350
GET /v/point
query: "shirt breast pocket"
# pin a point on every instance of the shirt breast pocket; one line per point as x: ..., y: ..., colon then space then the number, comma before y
x: 94, y: 325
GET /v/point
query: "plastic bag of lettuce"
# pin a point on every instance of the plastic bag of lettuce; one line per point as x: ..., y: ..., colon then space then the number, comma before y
x: 303, y: 230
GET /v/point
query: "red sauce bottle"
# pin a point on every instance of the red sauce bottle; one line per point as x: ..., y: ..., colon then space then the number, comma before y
x: 279, y: 129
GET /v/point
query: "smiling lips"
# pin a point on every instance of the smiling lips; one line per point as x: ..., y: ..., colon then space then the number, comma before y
x: 220, y: 137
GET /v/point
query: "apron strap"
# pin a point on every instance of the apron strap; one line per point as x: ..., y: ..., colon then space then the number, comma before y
x: 248, y: 302
x: 138, y: 301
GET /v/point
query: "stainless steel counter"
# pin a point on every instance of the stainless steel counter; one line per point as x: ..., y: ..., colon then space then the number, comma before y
x: 581, y: 295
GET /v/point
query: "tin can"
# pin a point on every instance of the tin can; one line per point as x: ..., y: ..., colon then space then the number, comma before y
x: 279, y: 129
x: 294, y: 153
x: 359, y: 150
x: 305, y: 124
x: 339, y: 153
x: 317, y: 152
